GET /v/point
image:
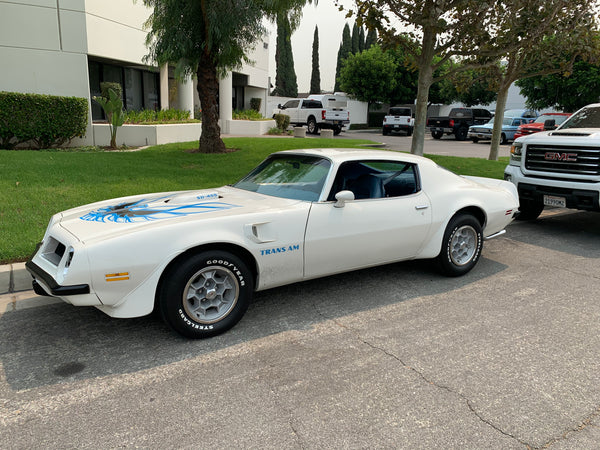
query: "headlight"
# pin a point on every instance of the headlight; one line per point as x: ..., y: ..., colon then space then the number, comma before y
x: 516, y: 151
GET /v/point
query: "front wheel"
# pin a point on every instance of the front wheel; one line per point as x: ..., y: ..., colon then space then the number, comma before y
x: 437, y: 134
x: 312, y: 126
x: 475, y: 140
x: 461, y: 245
x: 503, y: 139
x: 206, y: 294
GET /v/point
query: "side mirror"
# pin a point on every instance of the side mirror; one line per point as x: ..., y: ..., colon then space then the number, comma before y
x: 342, y: 197
x: 279, y: 106
x: 549, y: 124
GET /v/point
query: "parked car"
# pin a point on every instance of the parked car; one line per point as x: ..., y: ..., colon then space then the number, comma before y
x: 198, y: 256
x: 317, y: 112
x: 545, y: 122
x: 513, y: 118
x: 457, y: 122
x: 398, y: 119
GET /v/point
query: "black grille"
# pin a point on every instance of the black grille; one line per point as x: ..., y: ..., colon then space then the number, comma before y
x: 563, y: 159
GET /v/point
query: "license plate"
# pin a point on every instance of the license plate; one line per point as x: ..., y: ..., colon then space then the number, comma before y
x: 551, y: 200
x: 396, y: 126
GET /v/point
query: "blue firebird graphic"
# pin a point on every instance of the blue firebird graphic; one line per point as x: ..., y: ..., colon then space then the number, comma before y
x: 140, y: 211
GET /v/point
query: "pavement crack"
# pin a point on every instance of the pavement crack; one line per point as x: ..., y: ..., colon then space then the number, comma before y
x: 424, y: 378
x: 585, y: 423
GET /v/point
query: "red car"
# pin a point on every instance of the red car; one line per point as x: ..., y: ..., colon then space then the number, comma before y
x: 540, y: 124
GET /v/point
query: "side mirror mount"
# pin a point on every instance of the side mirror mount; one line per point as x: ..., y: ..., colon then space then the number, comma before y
x: 549, y: 124
x: 342, y: 197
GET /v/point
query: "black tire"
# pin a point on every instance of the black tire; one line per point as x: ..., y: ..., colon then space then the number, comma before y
x: 529, y: 209
x: 222, y: 292
x: 475, y: 140
x: 409, y: 132
x: 437, y: 134
x: 385, y: 132
x: 337, y: 130
x: 503, y: 139
x: 312, y: 126
x: 461, y: 134
x: 461, y: 245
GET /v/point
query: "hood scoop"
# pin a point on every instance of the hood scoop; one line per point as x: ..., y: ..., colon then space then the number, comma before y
x: 570, y: 133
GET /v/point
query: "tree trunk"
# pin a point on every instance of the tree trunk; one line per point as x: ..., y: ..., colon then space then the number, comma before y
x: 208, y: 91
x: 425, y: 61
x: 498, y: 118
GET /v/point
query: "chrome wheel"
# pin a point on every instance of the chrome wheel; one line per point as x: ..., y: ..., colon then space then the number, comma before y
x: 464, y: 245
x: 211, y: 294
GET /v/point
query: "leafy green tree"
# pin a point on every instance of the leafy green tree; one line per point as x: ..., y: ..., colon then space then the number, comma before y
x: 564, y: 92
x: 471, y: 87
x: 201, y: 39
x: 315, y: 78
x: 369, y: 76
x: 286, y: 83
x: 480, y: 32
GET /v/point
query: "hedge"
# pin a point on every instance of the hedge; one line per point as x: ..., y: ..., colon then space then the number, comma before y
x: 43, y: 120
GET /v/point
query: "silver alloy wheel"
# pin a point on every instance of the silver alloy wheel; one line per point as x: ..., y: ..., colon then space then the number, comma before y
x: 211, y: 294
x: 463, y: 245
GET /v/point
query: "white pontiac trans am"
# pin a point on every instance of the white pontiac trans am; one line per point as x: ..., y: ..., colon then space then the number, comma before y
x: 198, y: 256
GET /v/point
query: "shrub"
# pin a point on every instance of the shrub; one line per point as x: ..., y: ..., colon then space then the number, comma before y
x: 282, y: 121
x: 255, y: 103
x: 150, y: 116
x: 45, y: 120
x: 247, y: 114
x: 112, y: 104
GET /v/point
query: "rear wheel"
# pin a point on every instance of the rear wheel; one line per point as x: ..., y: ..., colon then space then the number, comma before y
x: 312, y: 126
x: 206, y: 294
x: 385, y: 132
x: 337, y: 130
x: 409, y: 132
x: 461, y: 245
x: 529, y: 209
x: 461, y: 134
x: 437, y: 134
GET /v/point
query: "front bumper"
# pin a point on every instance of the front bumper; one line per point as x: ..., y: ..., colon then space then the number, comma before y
x: 479, y: 135
x: 48, y: 285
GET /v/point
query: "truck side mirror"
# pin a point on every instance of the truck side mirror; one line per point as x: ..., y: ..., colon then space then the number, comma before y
x: 279, y: 106
x: 549, y: 124
x: 342, y: 197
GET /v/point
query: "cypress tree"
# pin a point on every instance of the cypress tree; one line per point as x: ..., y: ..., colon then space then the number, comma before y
x: 344, y: 51
x: 338, y: 68
x: 371, y: 39
x: 355, y: 39
x: 315, y: 78
x: 286, y: 84
x: 361, y: 39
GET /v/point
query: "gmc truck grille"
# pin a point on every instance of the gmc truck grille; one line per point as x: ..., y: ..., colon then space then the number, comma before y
x: 563, y: 159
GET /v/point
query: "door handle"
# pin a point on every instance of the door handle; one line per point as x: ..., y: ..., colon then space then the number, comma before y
x: 420, y: 207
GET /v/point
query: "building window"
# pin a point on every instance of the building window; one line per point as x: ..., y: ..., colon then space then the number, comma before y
x: 141, y: 89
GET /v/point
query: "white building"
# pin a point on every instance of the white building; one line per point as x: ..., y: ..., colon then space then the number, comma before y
x: 67, y: 47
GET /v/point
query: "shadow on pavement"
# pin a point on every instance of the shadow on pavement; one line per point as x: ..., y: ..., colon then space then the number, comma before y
x: 60, y: 343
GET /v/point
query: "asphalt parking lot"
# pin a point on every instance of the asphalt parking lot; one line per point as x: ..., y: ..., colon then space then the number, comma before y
x: 398, y: 356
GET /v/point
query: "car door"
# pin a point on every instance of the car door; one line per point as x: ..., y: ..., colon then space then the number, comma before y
x: 388, y: 220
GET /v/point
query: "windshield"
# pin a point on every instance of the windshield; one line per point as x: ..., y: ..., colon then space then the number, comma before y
x: 558, y: 119
x: 296, y: 177
x: 588, y: 117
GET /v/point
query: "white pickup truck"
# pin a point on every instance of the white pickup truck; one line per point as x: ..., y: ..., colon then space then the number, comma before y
x: 398, y: 119
x: 559, y: 168
x: 316, y: 112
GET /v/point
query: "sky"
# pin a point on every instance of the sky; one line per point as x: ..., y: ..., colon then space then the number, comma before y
x: 331, y: 24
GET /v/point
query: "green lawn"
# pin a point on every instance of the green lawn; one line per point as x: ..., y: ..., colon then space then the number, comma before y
x: 34, y: 185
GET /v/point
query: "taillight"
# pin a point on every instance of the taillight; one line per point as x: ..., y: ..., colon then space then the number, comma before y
x: 323, y: 114
x: 384, y: 120
x: 451, y: 123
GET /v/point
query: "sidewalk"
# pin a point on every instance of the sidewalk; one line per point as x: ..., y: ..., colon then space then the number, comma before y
x: 15, y: 289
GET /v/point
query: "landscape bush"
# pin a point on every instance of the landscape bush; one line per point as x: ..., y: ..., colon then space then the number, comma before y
x: 41, y: 121
x: 148, y: 116
x: 246, y: 114
x: 282, y: 121
x: 255, y: 103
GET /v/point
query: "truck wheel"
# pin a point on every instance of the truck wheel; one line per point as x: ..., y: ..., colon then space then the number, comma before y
x: 409, y: 132
x: 529, y: 209
x: 503, y: 139
x: 461, y: 245
x: 461, y: 134
x: 312, y: 126
x: 206, y: 294
x: 475, y: 140
x: 385, y: 132
x: 437, y: 134
x: 337, y: 130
